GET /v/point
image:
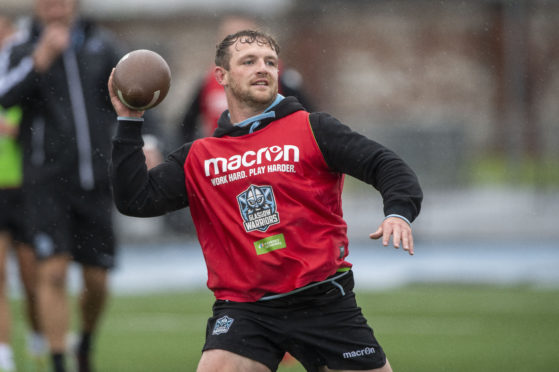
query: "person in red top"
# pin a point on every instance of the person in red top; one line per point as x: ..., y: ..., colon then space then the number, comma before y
x: 265, y: 195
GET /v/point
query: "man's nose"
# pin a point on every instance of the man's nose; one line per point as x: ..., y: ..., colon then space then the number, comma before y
x: 263, y: 68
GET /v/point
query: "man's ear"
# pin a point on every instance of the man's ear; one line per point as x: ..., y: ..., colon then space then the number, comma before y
x: 220, y: 75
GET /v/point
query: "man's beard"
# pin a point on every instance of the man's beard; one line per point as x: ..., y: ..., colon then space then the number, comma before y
x: 257, y: 100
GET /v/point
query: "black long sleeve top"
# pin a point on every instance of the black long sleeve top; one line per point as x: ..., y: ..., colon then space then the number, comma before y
x: 142, y: 193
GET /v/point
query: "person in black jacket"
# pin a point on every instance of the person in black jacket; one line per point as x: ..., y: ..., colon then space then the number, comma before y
x: 58, y: 79
x: 265, y: 194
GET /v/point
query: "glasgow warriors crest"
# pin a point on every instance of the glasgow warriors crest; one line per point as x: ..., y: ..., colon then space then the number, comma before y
x: 222, y: 325
x: 258, y: 208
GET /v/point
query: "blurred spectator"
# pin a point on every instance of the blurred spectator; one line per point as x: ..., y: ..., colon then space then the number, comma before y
x: 208, y: 101
x: 58, y: 77
x: 12, y: 219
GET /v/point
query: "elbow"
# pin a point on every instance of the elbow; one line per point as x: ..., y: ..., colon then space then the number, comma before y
x: 123, y: 203
x: 137, y: 207
x: 125, y: 208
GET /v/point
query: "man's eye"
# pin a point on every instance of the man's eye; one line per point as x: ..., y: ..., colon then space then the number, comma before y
x: 249, y: 62
x: 271, y: 63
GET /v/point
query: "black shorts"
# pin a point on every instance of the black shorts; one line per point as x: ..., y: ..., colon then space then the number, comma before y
x: 320, y: 326
x: 66, y: 220
x: 12, y: 214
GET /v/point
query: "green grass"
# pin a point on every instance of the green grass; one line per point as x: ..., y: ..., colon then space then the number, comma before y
x: 498, y: 170
x: 422, y: 328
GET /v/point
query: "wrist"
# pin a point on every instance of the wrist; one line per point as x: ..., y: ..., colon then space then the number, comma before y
x: 400, y: 217
x: 41, y: 60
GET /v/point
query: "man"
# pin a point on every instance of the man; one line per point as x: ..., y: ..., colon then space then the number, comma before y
x: 209, y: 101
x: 57, y: 77
x: 12, y: 219
x: 265, y: 196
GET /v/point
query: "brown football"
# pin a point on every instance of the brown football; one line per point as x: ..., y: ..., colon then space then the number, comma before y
x: 142, y: 79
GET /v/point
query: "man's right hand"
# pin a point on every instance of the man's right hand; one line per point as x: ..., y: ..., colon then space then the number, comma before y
x: 120, y: 108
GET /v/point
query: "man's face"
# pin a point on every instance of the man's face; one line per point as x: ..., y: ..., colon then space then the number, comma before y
x: 55, y: 11
x: 253, y: 73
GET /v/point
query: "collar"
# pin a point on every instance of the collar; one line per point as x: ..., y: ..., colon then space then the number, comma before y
x: 254, y: 121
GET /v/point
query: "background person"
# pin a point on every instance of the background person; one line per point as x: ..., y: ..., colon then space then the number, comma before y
x: 265, y: 196
x: 12, y: 220
x: 58, y: 78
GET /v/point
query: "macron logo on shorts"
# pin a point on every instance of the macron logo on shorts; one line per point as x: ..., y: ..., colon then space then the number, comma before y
x: 359, y: 353
x: 222, y: 325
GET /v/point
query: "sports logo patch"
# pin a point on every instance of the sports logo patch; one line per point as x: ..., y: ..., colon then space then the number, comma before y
x: 222, y: 325
x: 258, y: 208
x: 44, y: 245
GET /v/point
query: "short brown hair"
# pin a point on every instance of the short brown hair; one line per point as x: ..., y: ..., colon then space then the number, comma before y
x: 222, y: 54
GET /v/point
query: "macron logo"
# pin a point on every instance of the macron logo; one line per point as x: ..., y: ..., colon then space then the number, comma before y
x: 359, y: 353
x: 216, y: 166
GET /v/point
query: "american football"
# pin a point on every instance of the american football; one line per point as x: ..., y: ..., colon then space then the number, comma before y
x: 142, y: 79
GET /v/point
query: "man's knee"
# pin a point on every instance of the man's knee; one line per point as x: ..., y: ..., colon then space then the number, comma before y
x: 52, y: 272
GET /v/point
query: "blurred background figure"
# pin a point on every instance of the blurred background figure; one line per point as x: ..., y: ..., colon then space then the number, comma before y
x: 12, y: 219
x: 57, y: 76
x: 208, y: 101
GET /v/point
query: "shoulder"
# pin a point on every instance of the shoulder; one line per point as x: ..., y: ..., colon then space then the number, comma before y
x: 322, y: 121
x: 180, y: 154
x: 21, y: 43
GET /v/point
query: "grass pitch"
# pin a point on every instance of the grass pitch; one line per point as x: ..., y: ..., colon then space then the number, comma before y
x: 422, y: 328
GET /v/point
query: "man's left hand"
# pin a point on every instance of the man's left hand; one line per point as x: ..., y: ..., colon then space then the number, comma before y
x: 399, y: 230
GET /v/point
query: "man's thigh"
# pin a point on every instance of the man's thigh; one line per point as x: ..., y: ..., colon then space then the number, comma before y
x: 334, y: 334
x: 225, y: 361
x: 385, y: 368
x: 50, y: 222
x: 240, y: 329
